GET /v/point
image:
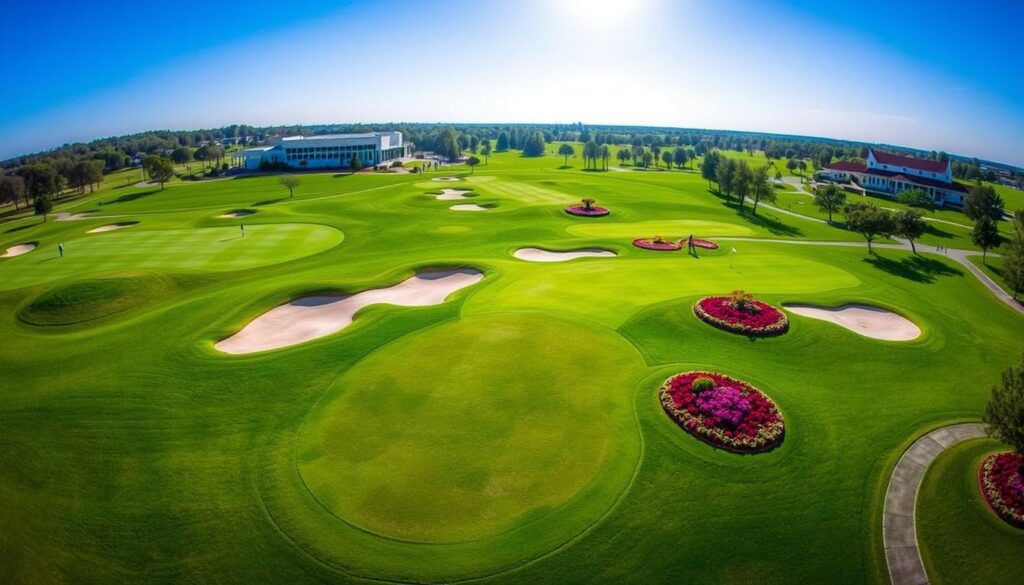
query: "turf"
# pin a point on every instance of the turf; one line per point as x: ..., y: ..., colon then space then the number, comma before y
x: 509, y: 434
x: 91, y: 299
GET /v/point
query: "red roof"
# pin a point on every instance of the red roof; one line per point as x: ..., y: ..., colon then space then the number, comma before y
x: 898, y: 160
x: 847, y: 167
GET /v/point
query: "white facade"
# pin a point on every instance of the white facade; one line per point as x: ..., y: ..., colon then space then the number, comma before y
x: 889, y: 175
x: 327, y: 151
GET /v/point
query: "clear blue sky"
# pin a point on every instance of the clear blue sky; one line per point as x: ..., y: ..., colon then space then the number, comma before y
x: 936, y: 75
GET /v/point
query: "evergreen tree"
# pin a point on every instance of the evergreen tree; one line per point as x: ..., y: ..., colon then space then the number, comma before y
x: 910, y: 225
x: 985, y: 235
x: 503, y: 142
x: 1004, y: 414
x: 983, y: 201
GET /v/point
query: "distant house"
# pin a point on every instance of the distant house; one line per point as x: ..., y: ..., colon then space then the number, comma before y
x: 326, y: 151
x: 890, y: 174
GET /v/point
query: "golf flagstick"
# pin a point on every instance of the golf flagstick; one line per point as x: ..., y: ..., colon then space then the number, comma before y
x: 731, y: 256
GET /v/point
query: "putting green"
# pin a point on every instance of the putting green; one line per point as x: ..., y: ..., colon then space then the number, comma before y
x: 202, y: 249
x: 518, y: 418
x: 669, y: 228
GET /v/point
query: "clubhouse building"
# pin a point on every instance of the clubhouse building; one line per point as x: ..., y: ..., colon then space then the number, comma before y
x: 889, y: 174
x: 326, y: 151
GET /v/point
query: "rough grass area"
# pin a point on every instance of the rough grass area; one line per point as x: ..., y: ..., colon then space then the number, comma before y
x: 90, y: 300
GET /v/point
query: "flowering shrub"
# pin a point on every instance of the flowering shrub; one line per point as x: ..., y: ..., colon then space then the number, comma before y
x: 1002, y: 485
x: 706, y: 244
x: 741, y: 313
x: 587, y: 210
x: 733, y: 415
x: 657, y: 243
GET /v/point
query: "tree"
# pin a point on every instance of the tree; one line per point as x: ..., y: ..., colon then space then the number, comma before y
x: 43, y: 206
x: 918, y: 198
x: 159, y: 168
x: 680, y: 157
x: 485, y: 149
x: 12, y: 188
x: 709, y: 168
x: 450, y: 147
x: 503, y: 142
x: 591, y: 152
x: 792, y: 165
x: 909, y: 224
x: 638, y: 155
x: 183, y: 155
x: 472, y: 161
x: 668, y: 158
x: 534, y: 145
x: 869, y: 221
x: 983, y: 201
x: 606, y: 155
x: 829, y: 198
x: 1004, y: 413
x: 289, y: 182
x: 742, y: 181
x: 656, y: 154
x: 761, y: 188
x: 725, y: 175
x: 203, y: 153
x: 566, y: 150
x: 985, y: 235
x: 1013, y: 258
x: 624, y: 154
x: 354, y: 162
x: 40, y: 179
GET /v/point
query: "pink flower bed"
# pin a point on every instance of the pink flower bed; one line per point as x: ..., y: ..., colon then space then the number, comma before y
x: 1002, y: 485
x: 594, y: 211
x: 650, y: 244
x: 706, y: 244
x: 759, y: 320
x: 730, y: 414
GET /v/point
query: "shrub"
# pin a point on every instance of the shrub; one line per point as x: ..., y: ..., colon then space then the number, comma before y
x: 701, y: 384
x: 397, y: 164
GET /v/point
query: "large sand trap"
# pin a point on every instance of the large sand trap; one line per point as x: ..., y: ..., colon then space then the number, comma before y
x: 867, y: 321
x: 451, y: 194
x: 18, y: 250
x: 311, y: 318
x: 110, y: 227
x: 446, y: 179
x: 468, y: 207
x: 540, y: 255
x: 237, y: 213
x: 64, y: 216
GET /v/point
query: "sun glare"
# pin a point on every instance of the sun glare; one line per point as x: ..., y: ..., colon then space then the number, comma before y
x: 601, y: 14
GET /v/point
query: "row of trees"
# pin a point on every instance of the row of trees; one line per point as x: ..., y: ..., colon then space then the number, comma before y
x: 738, y: 178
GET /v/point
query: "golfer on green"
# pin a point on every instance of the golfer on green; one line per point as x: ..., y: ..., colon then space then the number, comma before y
x: 242, y: 226
x: 60, y: 249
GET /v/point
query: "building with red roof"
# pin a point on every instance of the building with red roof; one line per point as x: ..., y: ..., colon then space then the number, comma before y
x: 888, y: 174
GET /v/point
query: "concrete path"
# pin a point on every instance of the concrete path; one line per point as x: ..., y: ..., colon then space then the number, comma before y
x: 899, y: 533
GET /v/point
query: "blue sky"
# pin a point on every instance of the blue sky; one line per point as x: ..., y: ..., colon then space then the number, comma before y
x: 935, y: 75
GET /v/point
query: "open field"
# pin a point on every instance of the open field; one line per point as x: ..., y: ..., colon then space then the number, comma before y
x: 511, y: 433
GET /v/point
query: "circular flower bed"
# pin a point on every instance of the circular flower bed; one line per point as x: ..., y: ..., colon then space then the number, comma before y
x: 1002, y: 485
x: 706, y: 244
x: 741, y: 313
x: 594, y: 211
x: 723, y: 412
x: 656, y: 244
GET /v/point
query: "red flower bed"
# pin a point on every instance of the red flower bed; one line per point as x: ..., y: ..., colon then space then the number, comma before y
x: 706, y: 244
x: 650, y: 244
x: 1002, y: 485
x: 594, y: 211
x: 729, y: 414
x: 756, y: 320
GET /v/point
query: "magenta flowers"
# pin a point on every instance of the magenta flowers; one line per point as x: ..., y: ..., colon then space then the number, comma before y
x: 731, y: 415
x: 706, y: 244
x: 1002, y: 485
x: 657, y: 243
x: 752, y: 318
x: 592, y: 211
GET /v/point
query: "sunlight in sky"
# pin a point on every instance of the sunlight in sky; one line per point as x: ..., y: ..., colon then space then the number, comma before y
x: 602, y: 15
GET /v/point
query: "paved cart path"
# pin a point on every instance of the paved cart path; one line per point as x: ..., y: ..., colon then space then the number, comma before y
x: 899, y: 533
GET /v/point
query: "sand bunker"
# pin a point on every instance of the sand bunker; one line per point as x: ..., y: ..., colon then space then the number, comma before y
x: 451, y: 194
x: 18, y: 250
x: 111, y: 227
x: 311, y: 318
x: 446, y: 179
x: 862, y: 319
x: 539, y: 255
x: 468, y: 207
x: 237, y: 213
x: 64, y: 216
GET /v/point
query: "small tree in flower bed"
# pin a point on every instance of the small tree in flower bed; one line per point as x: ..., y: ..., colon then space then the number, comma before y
x: 1002, y: 474
x: 741, y: 313
x: 723, y: 412
x: 657, y: 243
x: 587, y: 209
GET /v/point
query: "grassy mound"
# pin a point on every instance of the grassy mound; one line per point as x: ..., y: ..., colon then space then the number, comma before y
x: 90, y: 300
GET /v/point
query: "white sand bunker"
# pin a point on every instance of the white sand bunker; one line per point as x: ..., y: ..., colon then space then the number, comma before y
x: 446, y: 179
x: 64, y: 216
x: 468, y: 207
x: 111, y: 227
x: 18, y: 250
x: 540, y: 255
x: 862, y: 319
x: 237, y: 213
x: 452, y: 194
x: 311, y: 318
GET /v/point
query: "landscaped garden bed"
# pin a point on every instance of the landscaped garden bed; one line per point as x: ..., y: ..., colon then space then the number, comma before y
x: 1001, y: 478
x: 706, y: 244
x: 723, y: 412
x: 741, y: 313
x: 587, y: 209
x: 657, y: 243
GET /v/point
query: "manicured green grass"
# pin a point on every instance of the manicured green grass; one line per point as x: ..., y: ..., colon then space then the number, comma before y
x: 512, y: 432
x: 955, y: 523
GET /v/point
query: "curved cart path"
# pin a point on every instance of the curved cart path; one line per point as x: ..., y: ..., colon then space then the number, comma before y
x: 899, y: 534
